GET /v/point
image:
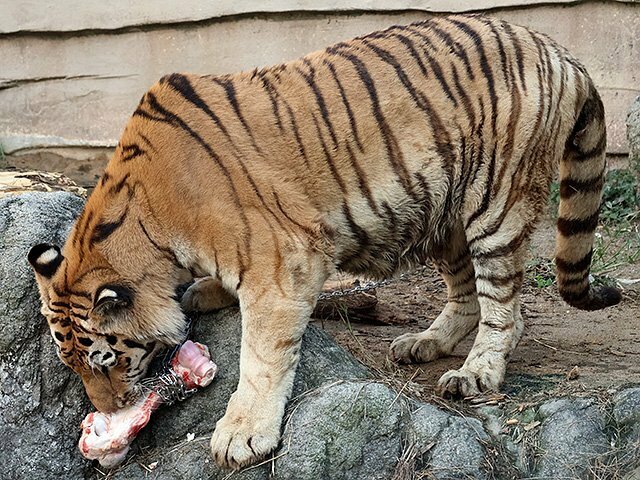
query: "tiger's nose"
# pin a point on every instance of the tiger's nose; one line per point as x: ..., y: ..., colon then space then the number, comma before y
x: 98, y: 358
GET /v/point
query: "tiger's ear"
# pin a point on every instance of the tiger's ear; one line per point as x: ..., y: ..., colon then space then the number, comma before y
x: 111, y: 298
x: 45, y: 259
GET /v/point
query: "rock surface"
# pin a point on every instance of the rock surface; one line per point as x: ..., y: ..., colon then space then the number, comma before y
x: 341, y: 423
x: 571, y: 439
x: 40, y: 401
x: 633, y: 136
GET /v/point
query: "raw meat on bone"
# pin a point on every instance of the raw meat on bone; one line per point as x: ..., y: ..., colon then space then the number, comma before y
x: 107, y: 437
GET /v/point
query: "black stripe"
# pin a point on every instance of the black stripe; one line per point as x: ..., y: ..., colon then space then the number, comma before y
x: 105, y: 178
x: 273, y: 98
x: 455, y: 47
x: 568, y: 227
x: 80, y: 316
x: 436, y: 68
x: 148, y: 142
x: 363, y: 184
x: 329, y: 160
x: 129, y: 152
x: 569, y: 187
x: 87, y: 342
x: 504, y: 299
x: 133, y: 344
x: 304, y: 228
x: 81, y: 225
x: 503, y: 250
x: 408, y: 43
x: 597, y: 151
x: 486, y: 197
x: 241, y: 268
x: 568, y: 282
x: 503, y: 54
x: 394, y: 154
x: 149, y: 348
x: 518, y: 53
x: 230, y: 92
x: 360, y: 234
x: 347, y: 106
x: 182, y: 85
x: 466, y: 102
x: 575, y: 267
x: 310, y: 80
x: 102, y: 231
x: 165, y: 250
x: 296, y: 133
x: 502, y: 280
x: 425, y: 200
x: 484, y: 65
x: 440, y: 133
x: 117, y: 188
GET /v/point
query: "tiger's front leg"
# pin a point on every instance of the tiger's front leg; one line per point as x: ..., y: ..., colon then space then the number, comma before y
x: 273, y: 322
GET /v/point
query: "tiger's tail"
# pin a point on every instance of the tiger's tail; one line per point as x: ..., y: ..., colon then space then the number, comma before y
x: 582, y: 172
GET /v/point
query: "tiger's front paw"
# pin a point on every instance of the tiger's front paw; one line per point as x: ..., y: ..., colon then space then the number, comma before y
x: 241, y: 439
x: 415, y: 348
x: 467, y: 383
x: 205, y: 295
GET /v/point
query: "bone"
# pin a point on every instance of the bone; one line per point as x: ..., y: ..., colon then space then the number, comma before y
x: 107, y: 437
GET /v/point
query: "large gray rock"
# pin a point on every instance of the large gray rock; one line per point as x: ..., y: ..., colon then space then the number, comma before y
x: 626, y: 412
x: 633, y: 136
x: 41, y: 403
x: 572, y: 438
x: 341, y: 424
x: 447, y: 446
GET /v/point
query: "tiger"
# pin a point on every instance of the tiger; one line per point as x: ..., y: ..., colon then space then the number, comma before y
x: 430, y: 142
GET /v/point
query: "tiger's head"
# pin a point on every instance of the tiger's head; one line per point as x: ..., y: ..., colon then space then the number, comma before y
x: 109, y: 299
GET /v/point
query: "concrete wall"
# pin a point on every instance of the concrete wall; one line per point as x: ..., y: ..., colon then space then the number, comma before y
x: 73, y: 71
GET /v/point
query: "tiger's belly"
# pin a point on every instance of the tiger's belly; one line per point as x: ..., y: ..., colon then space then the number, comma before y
x: 395, y: 237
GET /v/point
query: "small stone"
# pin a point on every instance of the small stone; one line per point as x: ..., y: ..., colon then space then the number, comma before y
x: 574, y: 373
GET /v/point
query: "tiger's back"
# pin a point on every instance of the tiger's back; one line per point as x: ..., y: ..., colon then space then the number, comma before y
x: 436, y: 140
x: 377, y: 134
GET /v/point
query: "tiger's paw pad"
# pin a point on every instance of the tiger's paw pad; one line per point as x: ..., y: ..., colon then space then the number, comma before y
x: 465, y: 383
x: 206, y: 295
x: 238, y: 442
x: 415, y: 348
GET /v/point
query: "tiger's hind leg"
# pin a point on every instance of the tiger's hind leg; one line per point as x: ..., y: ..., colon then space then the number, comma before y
x: 205, y: 295
x: 459, y: 317
x: 499, y: 278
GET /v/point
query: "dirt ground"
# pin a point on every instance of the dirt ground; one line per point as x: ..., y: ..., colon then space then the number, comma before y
x: 604, y: 345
